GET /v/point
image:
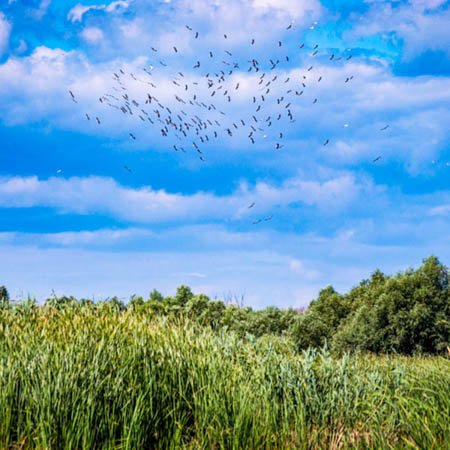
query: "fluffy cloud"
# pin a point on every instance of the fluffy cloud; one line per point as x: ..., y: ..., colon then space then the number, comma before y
x: 36, y: 88
x: 78, y: 11
x: 92, y: 35
x: 95, y: 195
x: 5, y: 31
x: 421, y: 24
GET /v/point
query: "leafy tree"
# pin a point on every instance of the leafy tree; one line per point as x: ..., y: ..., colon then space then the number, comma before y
x: 155, y: 296
x: 184, y: 294
x: 136, y: 302
x: 4, y: 297
x: 408, y: 313
x: 318, y: 324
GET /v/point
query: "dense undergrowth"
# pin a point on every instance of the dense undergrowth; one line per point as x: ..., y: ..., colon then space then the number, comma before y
x: 98, y: 377
x: 369, y: 369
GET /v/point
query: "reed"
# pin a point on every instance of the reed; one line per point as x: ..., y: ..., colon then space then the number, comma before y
x: 100, y: 378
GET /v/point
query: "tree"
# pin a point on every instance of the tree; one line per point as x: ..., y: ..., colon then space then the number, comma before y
x: 184, y: 294
x: 4, y: 297
x: 318, y: 324
x: 408, y: 313
x: 155, y: 296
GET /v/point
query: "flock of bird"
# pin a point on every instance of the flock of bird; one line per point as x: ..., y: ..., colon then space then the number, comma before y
x: 196, y: 108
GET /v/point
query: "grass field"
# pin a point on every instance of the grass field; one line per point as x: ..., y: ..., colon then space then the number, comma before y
x: 98, y: 378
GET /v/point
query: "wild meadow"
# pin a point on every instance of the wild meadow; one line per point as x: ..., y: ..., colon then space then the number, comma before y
x: 369, y: 369
x: 96, y: 376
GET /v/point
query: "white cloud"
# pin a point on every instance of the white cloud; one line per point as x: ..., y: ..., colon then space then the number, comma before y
x: 93, y: 35
x: 78, y: 11
x: 145, y: 205
x: 40, y: 12
x: 441, y: 210
x: 5, y: 31
x: 420, y: 24
x: 295, y: 10
x: 36, y: 88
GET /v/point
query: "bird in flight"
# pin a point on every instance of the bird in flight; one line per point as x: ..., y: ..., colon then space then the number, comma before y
x: 73, y: 96
x: 384, y: 128
x: 199, y: 123
x: 376, y: 159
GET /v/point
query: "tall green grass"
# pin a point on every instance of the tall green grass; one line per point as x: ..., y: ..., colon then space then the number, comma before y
x: 87, y: 377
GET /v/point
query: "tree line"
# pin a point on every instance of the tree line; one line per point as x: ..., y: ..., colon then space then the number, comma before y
x: 407, y: 313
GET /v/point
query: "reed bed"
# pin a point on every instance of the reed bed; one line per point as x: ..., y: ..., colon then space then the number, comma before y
x: 90, y: 377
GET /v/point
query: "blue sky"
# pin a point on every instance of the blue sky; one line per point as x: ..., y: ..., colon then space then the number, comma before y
x: 74, y: 220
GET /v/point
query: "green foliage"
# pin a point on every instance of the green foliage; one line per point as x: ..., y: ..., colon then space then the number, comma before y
x: 155, y: 296
x: 408, y: 313
x: 318, y: 325
x: 4, y: 297
x: 184, y: 294
x: 94, y: 377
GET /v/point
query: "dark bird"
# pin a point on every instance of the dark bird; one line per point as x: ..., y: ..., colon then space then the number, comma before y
x: 202, y: 159
x: 228, y: 53
x: 332, y: 57
x: 319, y: 80
x: 127, y: 169
x: 280, y: 43
x: 73, y: 96
x: 211, y: 54
x: 376, y: 159
x: 251, y: 206
x: 310, y: 68
x: 384, y: 128
x: 278, y: 146
x: 302, y: 45
x: 269, y: 218
x: 349, y: 58
x: 87, y: 117
x: 154, y: 49
x: 196, y: 35
x: 132, y: 136
x: 188, y: 27
x: 289, y: 27
x: 315, y: 101
x: 253, y: 42
x: 98, y: 120
x: 256, y: 222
